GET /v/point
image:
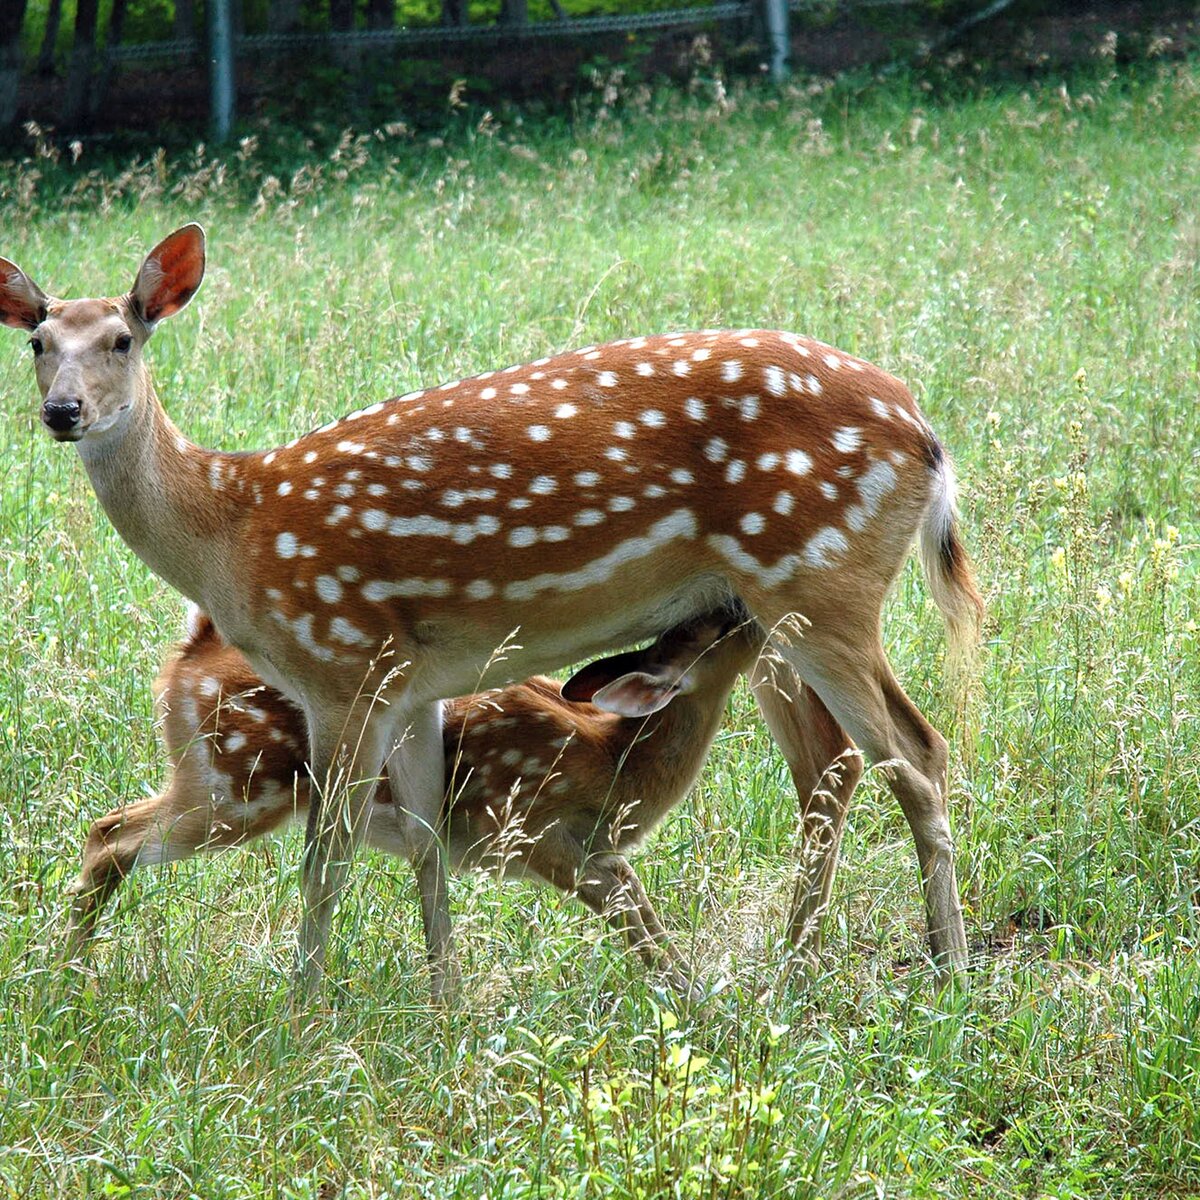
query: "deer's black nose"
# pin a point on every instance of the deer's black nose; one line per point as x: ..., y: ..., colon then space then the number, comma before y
x: 61, y: 415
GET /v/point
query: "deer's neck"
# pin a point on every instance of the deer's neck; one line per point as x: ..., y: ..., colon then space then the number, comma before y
x: 167, y: 498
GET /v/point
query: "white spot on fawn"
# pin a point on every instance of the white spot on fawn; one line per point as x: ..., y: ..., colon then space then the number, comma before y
x: 798, y: 462
x: 752, y: 523
x: 694, y: 407
x: 286, y: 545
x: 847, y: 440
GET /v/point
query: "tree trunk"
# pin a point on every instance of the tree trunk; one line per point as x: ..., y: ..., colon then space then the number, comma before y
x: 454, y: 12
x: 83, y: 59
x: 514, y: 12
x: 45, y: 64
x: 184, y: 28
x: 283, y: 16
x: 381, y: 14
x: 11, y: 18
x: 341, y: 15
x: 116, y: 26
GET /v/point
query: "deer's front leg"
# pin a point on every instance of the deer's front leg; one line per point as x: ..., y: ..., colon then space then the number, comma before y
x: 416, y: 776
x: 347, y: 749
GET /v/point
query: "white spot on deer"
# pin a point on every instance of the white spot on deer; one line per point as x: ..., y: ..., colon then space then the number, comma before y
x: 846, y: 441
x: 511, y: 757
x: 209, y: 686
x: 592, y: 355
x: 731, y: 370
x: 824, y: 546
x: 419, y: 462
x: 616, y: 453
x: 338, y: 513
x: 814, y: 385
x: 543, y: 485
x: 681, y: 367
x: 519, y: 389
x: 621, y: 504
x: 736, y: 554
x: 798, y: 462
x: 286, y: 545
x: 520, y: 502
x: 748, y: 342
x: 311, y: 457
x: 349, y: 574
x: 215, y: 467
x: 682, y: 476
x: 694, y: 407
x: 301, y: 629
x: 381, y: 589
x: 523, y: 535
x: 749, y: 408
x: 768, y: 462
x: 624, y: 429
x: 284, y: 488
x: 374, y: 519
x: 653, y: 419
x: 735, y: 472
x: 876, y: 482
x: 500, y: 471
x: 565, y: 411
x: 347, y: 632
x: 587, y: 479
x: 607, y: 379
x: 555, y: 533
x: 344, y: 490
x: 463, y: 435
x: 538, y: 433
x: 350, y: 447
x: 376, y: 489
x: 269, y: 458
x: 645, y: 369
x: 589, y: 516
x: 679, y: 524
x: 311, y: 494
x: 752, y: 523
x: 479, y: 589
x: 898, y: 457
x: 654, y: 492
x: 833, y: 362
x: 784, y: 503
x: 328, y: 588
x: 701, y: 354
x: 828, y: 490
x: 879, y: 408
x: 716, y: 450
x: 773, y: 380
x: 234, y: 742
x: 558, y: 384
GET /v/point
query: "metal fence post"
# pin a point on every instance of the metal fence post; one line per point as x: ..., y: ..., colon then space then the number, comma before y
x: 220, y: 61
x: 775, y: 22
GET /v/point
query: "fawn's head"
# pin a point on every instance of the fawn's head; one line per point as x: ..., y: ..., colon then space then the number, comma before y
x: 88, y: 353
x: 701, y: 655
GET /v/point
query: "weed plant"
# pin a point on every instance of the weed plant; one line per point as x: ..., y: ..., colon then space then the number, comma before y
x: 1027, y: 261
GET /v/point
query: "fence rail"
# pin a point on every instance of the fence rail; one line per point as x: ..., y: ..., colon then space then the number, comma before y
x: 430, y: 35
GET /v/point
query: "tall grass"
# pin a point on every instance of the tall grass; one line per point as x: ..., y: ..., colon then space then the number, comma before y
x: 1027, y: 261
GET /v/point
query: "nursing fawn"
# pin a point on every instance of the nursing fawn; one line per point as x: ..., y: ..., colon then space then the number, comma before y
x: 592, y: 499
x: 536, y: 785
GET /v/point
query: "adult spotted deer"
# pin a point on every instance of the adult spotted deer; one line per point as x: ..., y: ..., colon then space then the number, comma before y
x: 590, y: 499
x: 535, y: 785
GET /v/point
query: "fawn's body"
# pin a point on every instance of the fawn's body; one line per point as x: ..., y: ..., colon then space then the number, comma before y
x: 534, y: 784
x: 591, y: 499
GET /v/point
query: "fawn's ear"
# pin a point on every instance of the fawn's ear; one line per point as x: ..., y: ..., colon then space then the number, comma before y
x: 636, y: 694
x: 169, y: 277
x: 22, y: 303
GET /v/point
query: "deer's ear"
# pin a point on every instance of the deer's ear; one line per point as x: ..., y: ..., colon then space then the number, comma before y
x: 635, y: 695
x: 169, y: 277
x: 22, y: 303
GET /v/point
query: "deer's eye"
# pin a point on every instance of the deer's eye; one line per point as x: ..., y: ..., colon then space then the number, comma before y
x: 36, y: 345
x: 122, y: 344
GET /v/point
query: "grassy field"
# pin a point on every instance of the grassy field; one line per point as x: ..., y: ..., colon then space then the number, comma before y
x: 1027, y: 261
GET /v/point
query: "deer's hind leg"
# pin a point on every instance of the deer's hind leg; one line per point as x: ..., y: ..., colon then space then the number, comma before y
x: 825, y: 767
x: 854, y: 681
